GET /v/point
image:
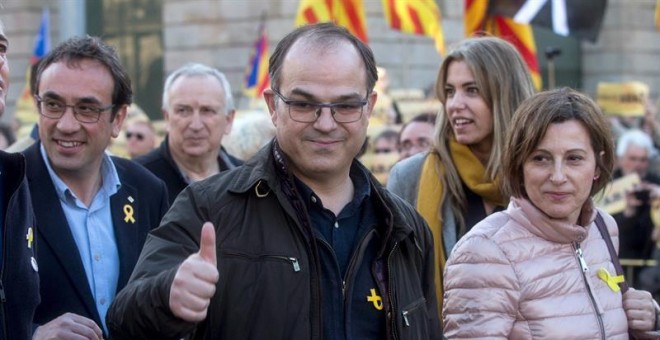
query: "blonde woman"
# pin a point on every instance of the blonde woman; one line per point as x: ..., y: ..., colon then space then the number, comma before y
x: 455, y: 185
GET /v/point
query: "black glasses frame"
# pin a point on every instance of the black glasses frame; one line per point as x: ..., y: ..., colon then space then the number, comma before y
x: 75, y: 108
x: 319, y: 106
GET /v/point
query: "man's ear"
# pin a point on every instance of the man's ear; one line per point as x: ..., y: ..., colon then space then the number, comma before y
x: 166, y: 119
x: 269, y: 97
x: 118, y: 120
x: 372, y: 98
x: 230, y: 121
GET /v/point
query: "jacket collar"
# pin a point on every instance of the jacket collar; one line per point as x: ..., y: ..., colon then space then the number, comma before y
x: 225, y: 161
x: 259, y: 174
x: 538, y: 223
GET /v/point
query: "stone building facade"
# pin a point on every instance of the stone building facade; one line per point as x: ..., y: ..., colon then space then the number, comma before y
x: 221, y: 33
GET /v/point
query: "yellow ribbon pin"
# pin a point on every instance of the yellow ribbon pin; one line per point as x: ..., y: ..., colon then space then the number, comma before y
x: 375, y: 299
x: 29, y: 237
x: 612, y: 281
x: 128, y: 210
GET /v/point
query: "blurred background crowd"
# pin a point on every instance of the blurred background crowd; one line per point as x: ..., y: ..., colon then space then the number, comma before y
x: 614, y: 58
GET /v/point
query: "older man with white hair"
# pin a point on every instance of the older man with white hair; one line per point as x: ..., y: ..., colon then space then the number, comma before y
x: 634, y: 152
x: 198, y: 109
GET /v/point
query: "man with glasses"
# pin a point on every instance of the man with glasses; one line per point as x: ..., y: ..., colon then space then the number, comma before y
x: 301, y: 242
x: 140, y: 135
x: 93, y: 211
x: 198, y: 108
x: 19, y: 276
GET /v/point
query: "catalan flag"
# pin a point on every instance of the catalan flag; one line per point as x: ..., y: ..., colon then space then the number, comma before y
x: 477, y: 20
x: 26, y: 112
x: 421, y: 17
x: 346, y: 13
x: 257, y: 79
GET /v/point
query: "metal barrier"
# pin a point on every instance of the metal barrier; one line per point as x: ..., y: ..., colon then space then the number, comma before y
x: 629, y: 266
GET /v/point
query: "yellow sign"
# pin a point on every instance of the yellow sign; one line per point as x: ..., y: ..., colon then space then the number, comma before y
x: 613, y: 197
x: 622, y: 99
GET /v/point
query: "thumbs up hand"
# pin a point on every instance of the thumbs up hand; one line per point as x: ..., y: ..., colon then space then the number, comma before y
x: 194, y: 282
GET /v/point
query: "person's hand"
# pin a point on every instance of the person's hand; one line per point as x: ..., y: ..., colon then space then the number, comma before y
x: 640, y: 310
x: 194, y: 282
x: 69, y: 326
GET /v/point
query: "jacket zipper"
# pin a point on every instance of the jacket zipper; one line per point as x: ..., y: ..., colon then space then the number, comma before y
x: 585, y: 269
x: 292, y: 260
x: 411, y: 309
x: 351, y: 265
x: 391, y: 288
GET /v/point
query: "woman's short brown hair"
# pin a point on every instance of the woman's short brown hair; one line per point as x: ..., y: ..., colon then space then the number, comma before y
x: 530, y: 123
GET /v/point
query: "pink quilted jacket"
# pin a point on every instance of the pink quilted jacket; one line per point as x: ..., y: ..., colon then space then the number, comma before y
x: 517, y: 275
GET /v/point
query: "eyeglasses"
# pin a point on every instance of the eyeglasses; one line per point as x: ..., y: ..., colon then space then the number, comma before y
x: 83, y: 112
x: 308, y: 112
x: 137, y: 135
x: 384, y: 150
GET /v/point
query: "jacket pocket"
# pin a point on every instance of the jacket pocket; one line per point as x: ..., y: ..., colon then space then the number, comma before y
x: 414, y: 320
x: 293, y: 261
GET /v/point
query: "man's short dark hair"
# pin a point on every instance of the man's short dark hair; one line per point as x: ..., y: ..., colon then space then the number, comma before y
x: 323, y: 33
x: 77, y: 49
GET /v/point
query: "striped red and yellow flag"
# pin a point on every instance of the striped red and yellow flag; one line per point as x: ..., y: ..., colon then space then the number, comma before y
x: 346, y: 13
x: 521, y: 36
x: 421, y: 17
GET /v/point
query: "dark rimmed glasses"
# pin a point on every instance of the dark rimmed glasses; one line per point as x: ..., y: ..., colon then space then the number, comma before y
x: 137, y: 135
x: 83, y: 112
x: 308, y: 112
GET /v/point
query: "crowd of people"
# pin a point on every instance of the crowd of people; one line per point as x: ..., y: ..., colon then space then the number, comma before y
x: 487, y: 226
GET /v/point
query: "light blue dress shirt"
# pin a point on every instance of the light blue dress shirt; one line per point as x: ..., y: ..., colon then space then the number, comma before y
x: 93, y: 231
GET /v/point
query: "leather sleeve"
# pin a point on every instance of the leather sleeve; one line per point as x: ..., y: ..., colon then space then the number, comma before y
x: 141, y: 309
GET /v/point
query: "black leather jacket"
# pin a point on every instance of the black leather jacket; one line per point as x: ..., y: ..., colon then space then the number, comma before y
x: 268, y: 263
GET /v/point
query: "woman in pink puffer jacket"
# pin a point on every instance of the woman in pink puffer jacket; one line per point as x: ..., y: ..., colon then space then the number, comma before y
x: 541, y: 269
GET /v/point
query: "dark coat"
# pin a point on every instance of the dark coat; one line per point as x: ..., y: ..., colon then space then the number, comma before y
x: 268, y: 263
x: 19, y: 285
x: 64, y: 286
x: 635, y: 241
x: 160, y: 162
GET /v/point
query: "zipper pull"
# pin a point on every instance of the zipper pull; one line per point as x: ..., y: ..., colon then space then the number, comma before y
x: 405, y: 318
x: 3, y: 298
x: 583, y: 263
x: 296, y: 265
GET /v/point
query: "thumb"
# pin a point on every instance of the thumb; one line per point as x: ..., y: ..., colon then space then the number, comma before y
x: 207, y: 243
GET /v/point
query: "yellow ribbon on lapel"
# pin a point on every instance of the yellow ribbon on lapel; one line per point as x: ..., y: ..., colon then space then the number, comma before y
x: 128, y: 211
x: 612, y: 281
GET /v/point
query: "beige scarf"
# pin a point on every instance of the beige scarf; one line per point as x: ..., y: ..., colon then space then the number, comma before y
x: 429, y: 197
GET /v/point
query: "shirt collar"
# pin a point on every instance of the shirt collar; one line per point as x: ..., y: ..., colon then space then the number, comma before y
x: 110, y: 177
x: 360, y: 182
